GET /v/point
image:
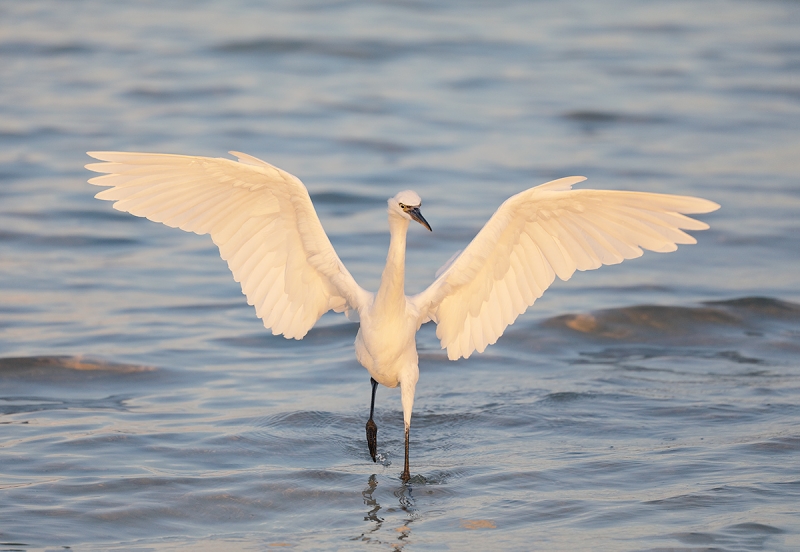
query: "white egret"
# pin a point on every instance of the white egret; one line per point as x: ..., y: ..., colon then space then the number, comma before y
x: 266, y: 228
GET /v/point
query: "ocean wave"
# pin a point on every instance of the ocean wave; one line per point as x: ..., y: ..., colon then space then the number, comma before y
x: 749, y: 315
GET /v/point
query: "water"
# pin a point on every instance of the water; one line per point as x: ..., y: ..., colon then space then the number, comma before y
x: 647, y: 406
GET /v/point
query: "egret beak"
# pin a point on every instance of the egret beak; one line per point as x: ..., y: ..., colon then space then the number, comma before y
x: 417, y: 216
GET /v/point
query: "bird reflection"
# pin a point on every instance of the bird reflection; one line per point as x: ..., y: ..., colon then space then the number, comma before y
x: 372, y: 515
x: 406, y: 504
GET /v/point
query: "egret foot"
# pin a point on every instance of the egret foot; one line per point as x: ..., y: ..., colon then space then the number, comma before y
x: 372, y: 439
x: 372, y: 428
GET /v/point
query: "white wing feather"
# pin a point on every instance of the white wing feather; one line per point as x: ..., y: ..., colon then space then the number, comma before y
x: 546, y: 231
x: 259, y: 216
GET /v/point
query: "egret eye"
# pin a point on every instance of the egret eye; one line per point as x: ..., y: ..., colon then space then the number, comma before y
x: 402, y: 206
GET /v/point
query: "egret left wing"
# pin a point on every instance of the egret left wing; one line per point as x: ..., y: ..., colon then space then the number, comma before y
x: 544, y: 232
x: 259, y: 216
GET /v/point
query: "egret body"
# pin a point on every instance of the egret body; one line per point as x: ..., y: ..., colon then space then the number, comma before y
x: 266, y: 228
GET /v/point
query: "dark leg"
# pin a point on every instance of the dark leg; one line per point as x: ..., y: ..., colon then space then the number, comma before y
x: 405, y: 476
x: 372, y: 429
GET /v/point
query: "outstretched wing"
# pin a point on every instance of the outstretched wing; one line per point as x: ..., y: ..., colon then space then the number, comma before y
x: 259, y: 216
x: 546, y: 231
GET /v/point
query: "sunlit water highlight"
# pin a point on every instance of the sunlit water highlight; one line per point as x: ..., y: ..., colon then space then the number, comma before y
x: 650, y: 405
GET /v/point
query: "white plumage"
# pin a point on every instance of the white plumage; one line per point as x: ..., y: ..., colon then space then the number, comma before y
x: 547, y: 231
x: 266, y: 228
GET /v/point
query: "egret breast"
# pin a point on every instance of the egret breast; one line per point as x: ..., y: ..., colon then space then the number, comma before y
x: 386, y: 347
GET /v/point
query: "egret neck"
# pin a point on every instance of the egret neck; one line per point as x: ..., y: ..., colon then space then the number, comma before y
x: 391, y: 297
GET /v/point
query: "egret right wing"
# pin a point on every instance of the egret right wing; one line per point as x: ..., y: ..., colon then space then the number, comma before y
x: 259, y: 216
x: 546, y: 231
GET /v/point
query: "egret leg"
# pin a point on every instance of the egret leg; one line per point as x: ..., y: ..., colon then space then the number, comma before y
x: 372, y: 428
x: 406, y: 475
x: 407, y: 386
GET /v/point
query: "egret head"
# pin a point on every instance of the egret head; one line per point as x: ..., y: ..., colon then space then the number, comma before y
x: 406, y: 205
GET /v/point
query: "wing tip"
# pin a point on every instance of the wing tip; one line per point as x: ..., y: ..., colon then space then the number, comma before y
x: 99, y: 155
x: 561, y: 184
x: 708, y: 206
x: 247, y: 159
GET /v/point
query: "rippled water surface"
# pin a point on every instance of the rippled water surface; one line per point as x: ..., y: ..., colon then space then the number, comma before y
x: 647, y: 406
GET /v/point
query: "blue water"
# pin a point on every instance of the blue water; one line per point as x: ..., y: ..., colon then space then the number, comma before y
x: 653, y: 405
